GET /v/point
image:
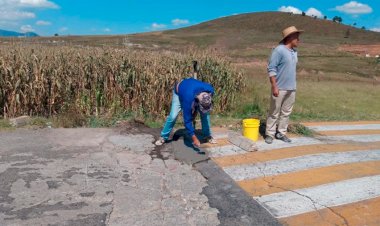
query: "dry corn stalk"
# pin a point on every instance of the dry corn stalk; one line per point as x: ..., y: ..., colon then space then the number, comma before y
x: 43, y: 81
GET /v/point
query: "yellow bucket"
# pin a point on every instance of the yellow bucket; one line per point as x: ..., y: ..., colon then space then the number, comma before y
x: 251, y: 129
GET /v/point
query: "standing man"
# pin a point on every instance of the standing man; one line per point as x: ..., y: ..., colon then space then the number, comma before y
x: 190, y: 96
x: 282, y: 75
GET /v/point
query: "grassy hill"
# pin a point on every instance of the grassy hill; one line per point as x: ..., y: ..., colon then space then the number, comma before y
x: 267, y: 27
x: 235, y: 32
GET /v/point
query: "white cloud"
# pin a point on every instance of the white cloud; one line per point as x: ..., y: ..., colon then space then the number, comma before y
x: 290, y: 9
x: 310, y: 12
x: 314, y: 12
x: 179, y: 22
x: 156, y: 26
x: 38, y: 4
x: 376, y: 29
x: 354, y: 8
x: 17, y: 4
x: 43, y: 23
x: 107, y: 30
x: 9, y: 15
x: 63, y: 29
x: 19, y: 10
x: 26, y: 28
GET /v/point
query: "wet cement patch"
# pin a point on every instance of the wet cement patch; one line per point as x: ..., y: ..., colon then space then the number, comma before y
x: 186, y: 153
x: 236, y: 207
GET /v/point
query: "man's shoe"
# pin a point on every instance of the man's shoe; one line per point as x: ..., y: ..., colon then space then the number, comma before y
x: 160, y: 141
x: 282, y: 137
x: 211, y: 140
x: 268, y: 139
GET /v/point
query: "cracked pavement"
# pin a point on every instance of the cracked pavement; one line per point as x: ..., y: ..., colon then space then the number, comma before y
x: 96, y: 177
x: 315, y: 203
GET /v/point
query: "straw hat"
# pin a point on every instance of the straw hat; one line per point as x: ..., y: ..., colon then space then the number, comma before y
x: 288, y: 31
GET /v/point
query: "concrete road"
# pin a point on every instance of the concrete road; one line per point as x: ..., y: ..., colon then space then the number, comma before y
x: 97, y: 177
x: 332, y: 179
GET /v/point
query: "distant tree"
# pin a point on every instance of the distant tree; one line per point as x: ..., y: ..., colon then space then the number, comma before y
x: 363, y: 28
x: 325, y: 17
x: 354, y: 24
x: 303, y: 14
x: 347, y: 35
x: 56, y: 35
x: 315, y: 17
x: 338, y: 19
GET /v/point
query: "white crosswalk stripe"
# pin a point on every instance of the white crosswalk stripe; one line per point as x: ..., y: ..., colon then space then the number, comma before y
x: 285, y: 204
x: 251, y: 171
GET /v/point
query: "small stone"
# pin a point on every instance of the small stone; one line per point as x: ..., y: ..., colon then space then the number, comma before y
x: 242, y: 142
x: 20, y: 121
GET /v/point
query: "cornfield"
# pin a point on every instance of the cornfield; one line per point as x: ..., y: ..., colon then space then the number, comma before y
x: 46, y: 81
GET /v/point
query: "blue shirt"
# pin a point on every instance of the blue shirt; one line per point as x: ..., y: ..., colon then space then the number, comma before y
x: 283, y: 65
x: 188, y: 90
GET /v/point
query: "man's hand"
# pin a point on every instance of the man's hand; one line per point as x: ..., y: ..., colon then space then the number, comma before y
x: 275, y: 91
x: 196, y: 142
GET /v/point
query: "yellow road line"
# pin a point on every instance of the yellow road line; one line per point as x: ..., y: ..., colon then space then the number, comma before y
x: 254, y: 157
x: 360, y: 213
x: 221, y: 142
x: 309, y: 178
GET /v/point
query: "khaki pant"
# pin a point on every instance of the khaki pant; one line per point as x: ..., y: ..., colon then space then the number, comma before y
x: 280, y: 109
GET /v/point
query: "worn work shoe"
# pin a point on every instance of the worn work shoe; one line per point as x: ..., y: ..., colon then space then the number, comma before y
x: 211, y: 140
x: 282, y: 137
x: 268, y: 139
x: 160, y: 141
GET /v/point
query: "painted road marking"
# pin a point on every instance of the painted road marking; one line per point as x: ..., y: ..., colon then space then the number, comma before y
x: 355, y: 138
x: 298, y: 141
x: 339, y: 171
x: 255, y: 157
x: 308, y: 124
x: 225, y: 150
x: 349, y: 132
x: 345, y: 127
x: 309, y: 178
x: 276, y: 167
x: 290, y: 203
x: 359, y: 213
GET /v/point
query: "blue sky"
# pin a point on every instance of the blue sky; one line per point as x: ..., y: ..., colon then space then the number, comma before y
x: 85, y: 17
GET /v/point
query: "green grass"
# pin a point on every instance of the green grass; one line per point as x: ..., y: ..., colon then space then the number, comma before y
x: 300, y: 129
x: 5, y: 124
x: 327, y: 100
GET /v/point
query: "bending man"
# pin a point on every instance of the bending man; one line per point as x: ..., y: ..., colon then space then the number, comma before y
x: 190, y: 96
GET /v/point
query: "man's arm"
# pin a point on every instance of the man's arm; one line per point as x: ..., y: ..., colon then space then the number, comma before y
x: 188, y: 120
x: 274, y: 61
